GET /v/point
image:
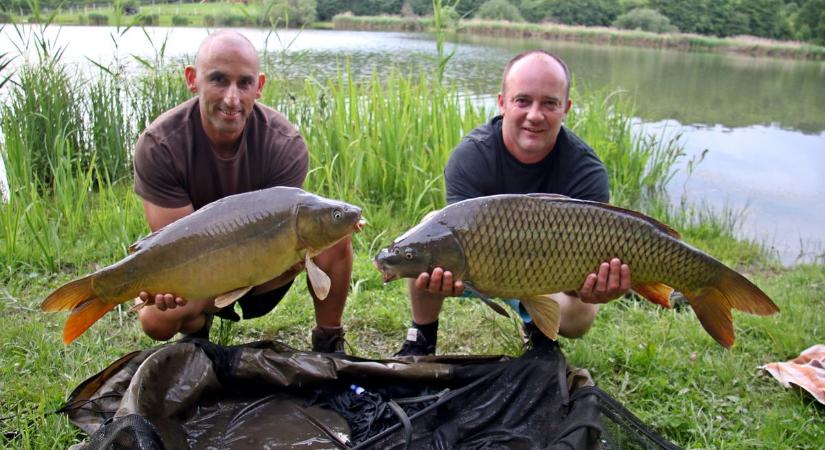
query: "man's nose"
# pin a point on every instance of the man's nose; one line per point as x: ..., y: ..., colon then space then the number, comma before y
x: 534, y: 113
x: 232, y: 95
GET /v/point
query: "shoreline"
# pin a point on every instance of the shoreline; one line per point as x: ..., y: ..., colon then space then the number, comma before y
x: 745, y: 45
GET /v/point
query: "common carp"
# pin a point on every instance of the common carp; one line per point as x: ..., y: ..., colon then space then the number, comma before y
x: 528, y: 246
x: 220, y: 251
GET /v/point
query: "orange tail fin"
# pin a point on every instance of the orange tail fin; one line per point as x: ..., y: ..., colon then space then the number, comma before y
x: 79, y: 297
x: 83, y: 316
x: 713, y: 304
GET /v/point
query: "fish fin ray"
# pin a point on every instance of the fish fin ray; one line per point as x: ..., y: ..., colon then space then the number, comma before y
x: 68, y: 296
x: 713, y: 304
x: 545, y: 313
x: 658, y: 293
x: 319, y: 280
x: 84, y: 316
x: 142, y: 242
x: 224, y: 300
x: 487, y: 300
x: 714, y: 314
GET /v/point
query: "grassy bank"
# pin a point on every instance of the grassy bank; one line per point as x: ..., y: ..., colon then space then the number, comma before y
x: 380, y: 144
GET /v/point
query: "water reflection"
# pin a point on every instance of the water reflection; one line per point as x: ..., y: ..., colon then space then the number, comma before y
x: 762, y: 119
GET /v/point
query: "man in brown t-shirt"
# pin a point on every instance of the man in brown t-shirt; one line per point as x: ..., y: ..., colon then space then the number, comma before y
x: 220, y: 143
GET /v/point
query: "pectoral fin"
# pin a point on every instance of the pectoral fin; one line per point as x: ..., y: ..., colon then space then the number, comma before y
x: 545, y: 314
x: 487, y: 300
x: 224, y: 300
x: 318, y: 279
x: 657, y: 293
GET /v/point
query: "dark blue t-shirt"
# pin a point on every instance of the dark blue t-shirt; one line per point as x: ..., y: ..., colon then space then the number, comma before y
x: 480, y: 165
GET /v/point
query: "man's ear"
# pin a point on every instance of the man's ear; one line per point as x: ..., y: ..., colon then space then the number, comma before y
x: 567, y: 106
x: 501, y: 103
x: 190, y: 75
x: 261, y: 82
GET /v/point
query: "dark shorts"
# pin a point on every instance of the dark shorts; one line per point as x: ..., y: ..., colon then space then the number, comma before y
x: 253, y: 306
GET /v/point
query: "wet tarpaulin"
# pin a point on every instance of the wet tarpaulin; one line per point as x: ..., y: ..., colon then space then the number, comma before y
x: 198, y: 395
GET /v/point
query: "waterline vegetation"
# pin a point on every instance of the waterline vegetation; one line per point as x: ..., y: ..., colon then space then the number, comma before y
x: 381, y: 143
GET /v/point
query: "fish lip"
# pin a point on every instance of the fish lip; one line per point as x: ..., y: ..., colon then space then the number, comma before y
x: 386, y: 274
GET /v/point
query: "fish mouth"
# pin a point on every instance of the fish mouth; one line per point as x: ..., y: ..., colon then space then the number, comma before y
x: 386, y: 273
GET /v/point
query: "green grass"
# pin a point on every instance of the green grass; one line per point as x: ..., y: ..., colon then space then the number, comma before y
x: 380, y: 144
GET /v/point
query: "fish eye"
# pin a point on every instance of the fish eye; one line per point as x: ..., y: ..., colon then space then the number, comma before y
x: 409, y: 253
x: 397, y: 251
x: 337, y: 214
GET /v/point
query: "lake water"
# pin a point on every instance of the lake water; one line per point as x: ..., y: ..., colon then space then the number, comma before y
x: 761, y: 120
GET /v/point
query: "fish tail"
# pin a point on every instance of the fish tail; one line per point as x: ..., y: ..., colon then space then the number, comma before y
x: 83, y: 316
x: 79, y: 297
x: 713, y: 304
x: 68, y: 296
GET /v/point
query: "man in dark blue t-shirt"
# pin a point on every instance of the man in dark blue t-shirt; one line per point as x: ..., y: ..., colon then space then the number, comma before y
x: 524, y: 150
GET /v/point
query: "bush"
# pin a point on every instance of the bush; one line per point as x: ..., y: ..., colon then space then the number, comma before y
x: 5, y: 17
x: 645, y: 19
x: 98, y: 19
x: 148, y: 20
x: 209, y: 20
x: 499, y: 10
x: 300, y: 12
x: 180, y: 20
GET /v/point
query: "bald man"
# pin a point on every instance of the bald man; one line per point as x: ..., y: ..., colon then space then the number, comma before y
x: 219, y: 143
x: 525, y: 149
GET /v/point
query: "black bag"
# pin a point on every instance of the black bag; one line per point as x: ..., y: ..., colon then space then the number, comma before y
x: 194, y: 394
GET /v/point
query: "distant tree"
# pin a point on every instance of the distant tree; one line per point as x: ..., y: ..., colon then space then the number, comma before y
x: 499, y: 10
x: 644, y: 19
x: 327, y: 9
x: 764, y: 17
x: 811, y: 21
x: 712, y: 17
x: 299, y: 12
x: 584, y: 12
x: 534, y: 10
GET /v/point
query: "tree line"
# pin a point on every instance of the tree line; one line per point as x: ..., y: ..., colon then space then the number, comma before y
x: 802, y: 20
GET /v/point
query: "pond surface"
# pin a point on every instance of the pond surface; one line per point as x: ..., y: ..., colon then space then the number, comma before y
x: 761, y: 120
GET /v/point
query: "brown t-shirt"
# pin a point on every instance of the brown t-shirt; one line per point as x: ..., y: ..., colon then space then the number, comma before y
x: 176, y: 166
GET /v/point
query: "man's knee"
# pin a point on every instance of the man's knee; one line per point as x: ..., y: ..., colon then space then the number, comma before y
x: 157, y: 328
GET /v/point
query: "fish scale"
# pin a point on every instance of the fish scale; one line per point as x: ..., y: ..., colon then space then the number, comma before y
x: 527, y: 246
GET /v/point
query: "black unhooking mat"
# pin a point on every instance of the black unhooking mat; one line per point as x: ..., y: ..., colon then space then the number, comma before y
x: 197, y: 395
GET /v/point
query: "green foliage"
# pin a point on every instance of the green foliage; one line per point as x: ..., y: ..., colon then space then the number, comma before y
x: 180, y: 21
x: 499, y: 10
x: 811, y: 21
x: 584, y: 12
x: 98, y: 19
x: 327, y: 9
x: 149, y: 20
x: 293, y: 13
x: 644, y: 19
x: 534, y: 10
x: 760, y: 18
x: 5, y: 17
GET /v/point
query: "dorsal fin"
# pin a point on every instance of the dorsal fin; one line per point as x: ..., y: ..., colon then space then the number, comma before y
x: 140, y: 243
x: 563, y: 198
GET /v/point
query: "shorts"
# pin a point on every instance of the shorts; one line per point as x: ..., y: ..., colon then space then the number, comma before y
x: 253, y: 306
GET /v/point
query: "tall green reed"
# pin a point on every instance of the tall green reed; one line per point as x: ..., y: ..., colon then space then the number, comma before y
x: 639, y: 166
x: 382, y: 141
